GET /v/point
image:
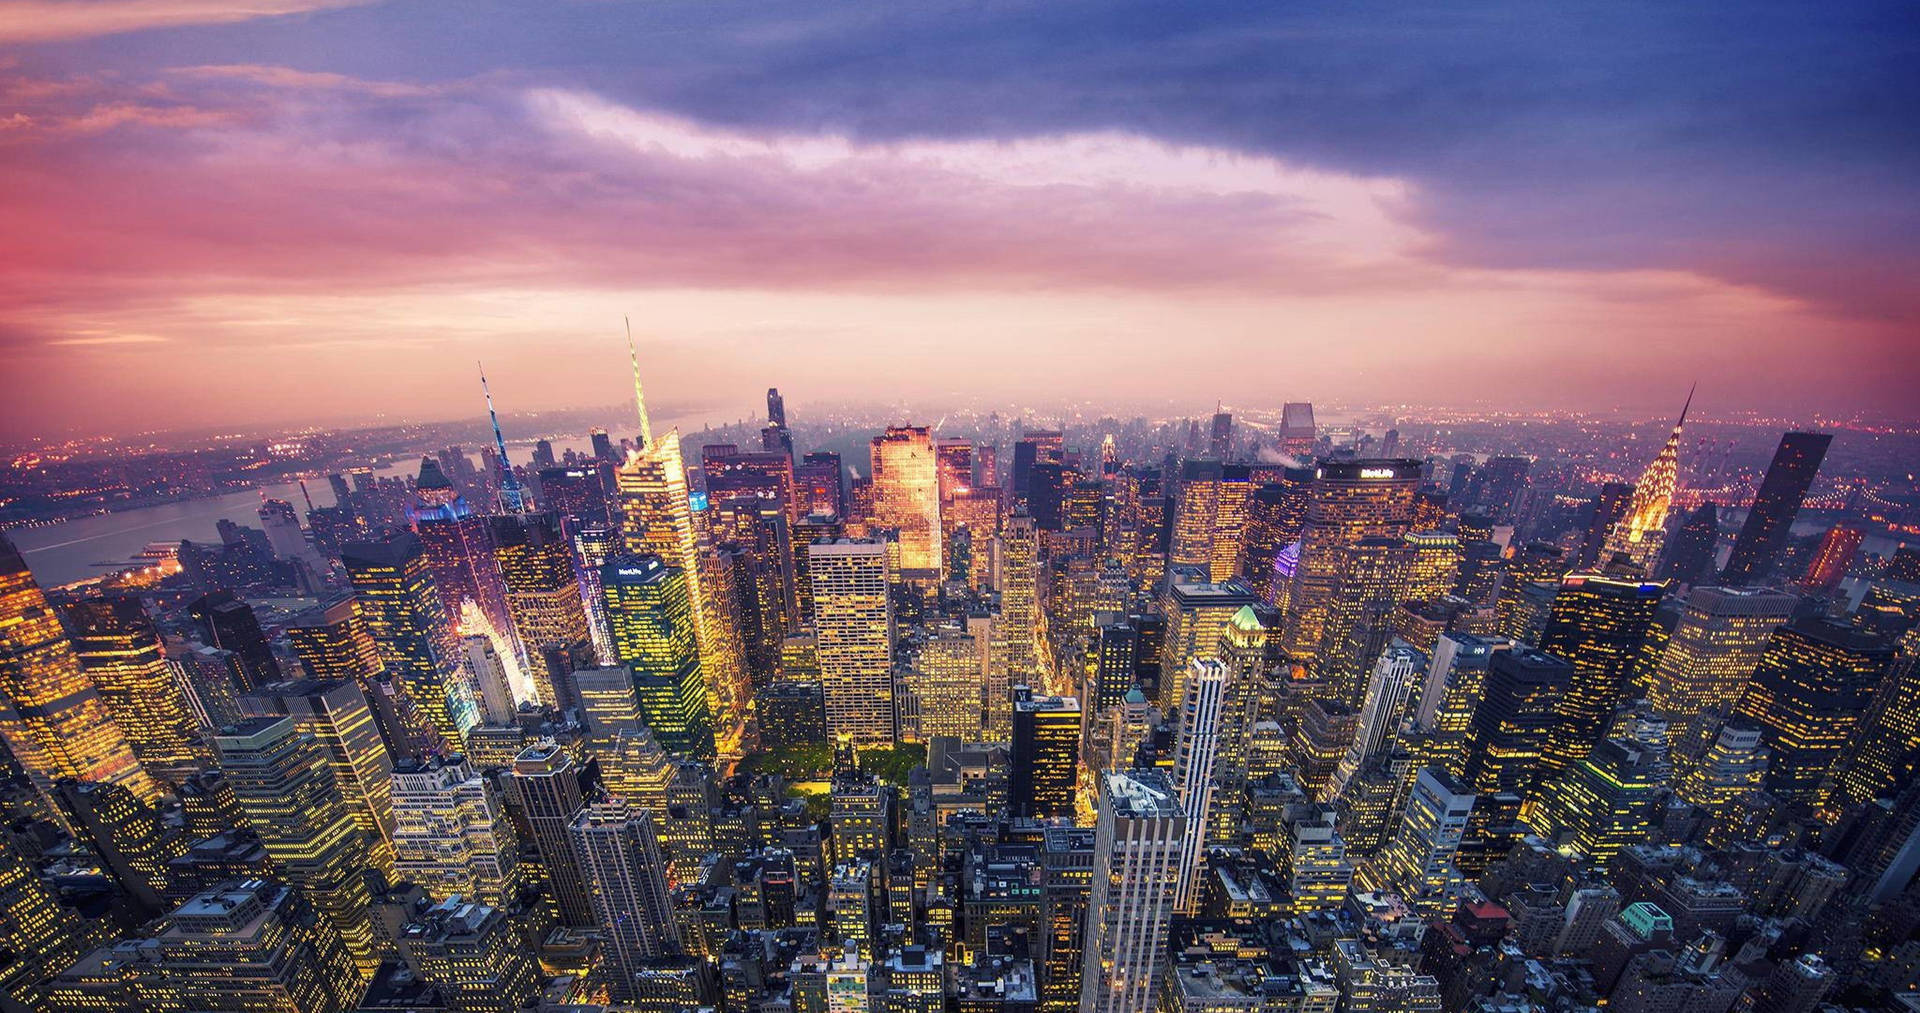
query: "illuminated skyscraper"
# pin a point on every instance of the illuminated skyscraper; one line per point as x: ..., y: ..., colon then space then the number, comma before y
x: 51, y: 716
x: 1139, y: 843
x: 1396, y: 676
x: 459, y: 552
x: 1509, y: 729
x: 1195, y: 760
x: 1735, y: 764
x: 593, y: 546
x: 1889, y: 731
x: 337, y: 716
x: 953, y: 676
x: 1603, y: 803
x: 121, y: 652
x: 286, y: 787
x: 129, y: 838
x: 1276, y: 511
x: 723, y: 661
x: 543, y: 596
x: 1370, y: 582
x: 1044, y: 761
x: 853, y: 631
x: 1600, y: 625
x: 513, y: 499
x: 1196, y: 615
x: 473, y: 955
x: 547, y: 785
x: 1348, y: 501
x: 42, y: 934
x: 1813, y: 684
x: 620, y: 863
x: 1017, y: 630
x: 1831, y: 559
x: 651, y: 617
x: 451, y: 832
x: 1642, y: 530
x: 1757, y: 548
x: 332, y: 642
x: 402, y: 608
x: 1714, y: 649
x: 1417, y: 863
x: 906, y: 497
x: 1433, y: 564
x: 1032, y: 447
x: 248, y: 945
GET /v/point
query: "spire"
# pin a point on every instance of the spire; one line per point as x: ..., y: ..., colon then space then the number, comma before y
x: 639, y: 394
x: 511, y: 496
x: 1682, y: 420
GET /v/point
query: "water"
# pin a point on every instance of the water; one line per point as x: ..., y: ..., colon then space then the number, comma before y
x: 90, y: 546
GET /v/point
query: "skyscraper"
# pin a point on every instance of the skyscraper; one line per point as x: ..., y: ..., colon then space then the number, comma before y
x: 513, y: 499
x: 543, y: 596
x: 332, y: 642
x: 335, y: 714
x: 1689, y: 556
x: 401, y: 605
x: 1757, y: 548
x: 1044, y: 762
x: 1812, y: 685
x: 121, y: 652
x: 43, y: 934
x: 853, y: 630
x: 547, y: 787
x: 906, y: 498
x: 1715, y: 646
x: 650, y: 615
x: 1139, y: 843
x: 286, y: 787
x: 228, y: 623
x: 1509, y: 729
x: 1220, y: 437
x: 458, y: 547
x: 250, y: 944
x: 1417, y: 863
x: 51, y: 716
x: 1195, y: 761
x: 1642, y: 529
x: 1347, y: 502
x: 1017, y: 630
x: 1603, y: 803
x: 451, y: 832
x: 1831, y: 560
x: 1396, y: 675
x: 1600, y: 625
x: 1276, y: 511
x: 1297, y: 437
x: 1609, y: 505
x: 620, y: 863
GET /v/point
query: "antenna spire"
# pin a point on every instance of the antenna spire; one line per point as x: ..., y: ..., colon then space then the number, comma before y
x: 511, y: 495
x: 639, y: 394
x: 1689, y: 403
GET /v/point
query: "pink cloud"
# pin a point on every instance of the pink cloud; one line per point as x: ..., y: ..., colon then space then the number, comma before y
x: 51, y: 20
x: 241, y: 218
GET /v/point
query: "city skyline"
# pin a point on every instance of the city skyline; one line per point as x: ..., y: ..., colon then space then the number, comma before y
x: 1214, y: 203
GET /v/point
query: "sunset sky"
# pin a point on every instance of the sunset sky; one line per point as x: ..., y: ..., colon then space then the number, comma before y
x: 238, y: 211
